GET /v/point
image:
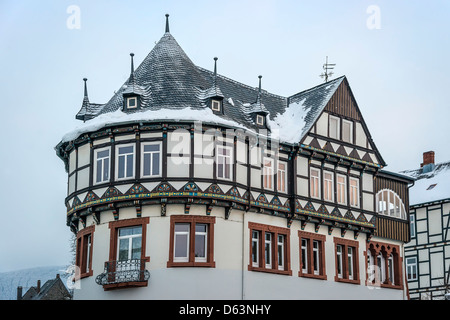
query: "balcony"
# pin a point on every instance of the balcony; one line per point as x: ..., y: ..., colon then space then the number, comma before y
x: 123, y: 274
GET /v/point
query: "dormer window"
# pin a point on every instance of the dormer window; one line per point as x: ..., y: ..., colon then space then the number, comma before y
x: 132, y: 103
x: 260, y: 120
x: 215, y: 105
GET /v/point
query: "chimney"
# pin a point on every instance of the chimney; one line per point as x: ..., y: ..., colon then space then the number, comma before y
x: 428, y: 161
x: 19, y: 293
x: 428, y: 157
x: 38, y: 288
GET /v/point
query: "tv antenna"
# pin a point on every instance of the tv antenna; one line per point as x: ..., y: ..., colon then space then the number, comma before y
x: 327, y: 67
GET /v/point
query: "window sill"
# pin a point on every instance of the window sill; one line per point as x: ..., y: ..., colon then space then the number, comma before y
x: 275, y: 271
x: 357, y: 281
x: 385, y: 285
x: 123, y: 285
x: 171, y: 264
x: 313, y: 276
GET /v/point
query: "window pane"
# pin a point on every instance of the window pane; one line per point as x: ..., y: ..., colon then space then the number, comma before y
x: 136, y: 248
x: 200, y: 227
x: 103, y: 154
x: 125, y: 150
x: 181, y: 242
x: 121, y: 167
x: 151, y: 147
x: 130, y: 165
x: 147, y: 164
x: 155, y: 169
x: 182, y: 227
x: 130, y: 231
x: 200, y: 245
x: 99, y: 170
x: 123, y: 249
x: 106, y: 169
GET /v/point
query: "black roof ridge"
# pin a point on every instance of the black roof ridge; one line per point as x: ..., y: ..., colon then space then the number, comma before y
x: 243, y: 84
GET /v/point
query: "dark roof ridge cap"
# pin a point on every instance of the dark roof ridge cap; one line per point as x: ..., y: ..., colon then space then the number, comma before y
x: 243, y: 84
x: 317, y: 87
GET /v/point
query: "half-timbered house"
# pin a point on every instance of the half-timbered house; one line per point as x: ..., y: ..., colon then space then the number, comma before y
x: 427, y: 255
x: 189, y: 184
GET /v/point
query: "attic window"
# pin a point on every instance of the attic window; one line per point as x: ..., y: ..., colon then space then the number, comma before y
x: 259, y: 120
x: 431, y: 186
x: 132, y: 103
x: 215, y: 105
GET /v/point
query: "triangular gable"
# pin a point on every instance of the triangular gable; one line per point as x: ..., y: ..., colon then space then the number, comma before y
x: 342, y: 103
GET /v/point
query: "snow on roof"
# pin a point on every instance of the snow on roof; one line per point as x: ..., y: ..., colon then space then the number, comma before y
x: 429, y: 186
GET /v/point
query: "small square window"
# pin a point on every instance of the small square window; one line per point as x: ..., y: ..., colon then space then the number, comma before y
x: 215, y: 105
x: 259, y: 120
x: 132, y: 103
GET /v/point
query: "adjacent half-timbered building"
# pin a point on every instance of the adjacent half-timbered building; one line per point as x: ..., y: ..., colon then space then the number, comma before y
x: 188, y: 185
x: 427, y: 255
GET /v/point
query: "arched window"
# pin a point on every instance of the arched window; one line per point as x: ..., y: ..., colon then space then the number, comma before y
x: 390, y: 204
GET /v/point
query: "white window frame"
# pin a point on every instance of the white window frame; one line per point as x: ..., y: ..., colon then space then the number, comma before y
x: 268, y: 173
x: 341, y: 189
x: 215, y: 105
x: 221, y: 175
x: 268, y: 253
x: 411, y: 265
x: 350, y: 266
x: 260, y: 120
x: 255, y: 251
x: 135, y: 102
x: 316, y: 256
x: 313, y: 182
x: 381, y: 265
x: 383, y: 207
x: 304, y: 255
x: 412, y: 219
x: 203, y: 234
x: 159, y: 143
x: 280, y: 251
x: 187, y: 233
x: 340, y: 265
x: 328, y: 186
x: 282, y: 176
x: 338, y: 127
x: 96, y: 151
x: 88, y: 252
x: 391, y: 269
x: 130, y: 241
x: 350, y: 123
x: 118, y: 147
x: 354, y: 193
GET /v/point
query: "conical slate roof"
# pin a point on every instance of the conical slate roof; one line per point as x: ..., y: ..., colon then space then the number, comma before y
x: 167, y: 79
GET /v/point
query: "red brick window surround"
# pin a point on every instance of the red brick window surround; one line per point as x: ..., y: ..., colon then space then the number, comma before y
x: 384, y: 265
x: 346, y: 261
x: 191, y: 241
x: 312, y: 255
x: 83, y: 259
x: 116, y: 225
x: 269, y: 249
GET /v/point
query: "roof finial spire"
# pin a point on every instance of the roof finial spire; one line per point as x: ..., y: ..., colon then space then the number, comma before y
x: 215, y: 70
x: 167, y: 23
x: 85, y: 88
x: 132, y: 68
x: 259, y: 90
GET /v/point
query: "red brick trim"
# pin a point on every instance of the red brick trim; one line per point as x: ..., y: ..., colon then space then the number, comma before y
x: 81, y: 251
x: 275, y: 231
x: 386, y: 249
x: 322, y: 270
x: 345, y: 272
x: 210, y: 221
x: 115, y: 225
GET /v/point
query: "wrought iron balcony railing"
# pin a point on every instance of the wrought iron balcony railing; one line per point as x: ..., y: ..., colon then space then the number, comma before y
x: 121, y: 272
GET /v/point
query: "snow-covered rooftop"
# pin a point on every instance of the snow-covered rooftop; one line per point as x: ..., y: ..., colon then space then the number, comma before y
x: 172, y: 87
x: 429, y: 186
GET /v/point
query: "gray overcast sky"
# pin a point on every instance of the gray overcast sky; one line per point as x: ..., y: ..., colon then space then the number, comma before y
x: 398, y: 73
